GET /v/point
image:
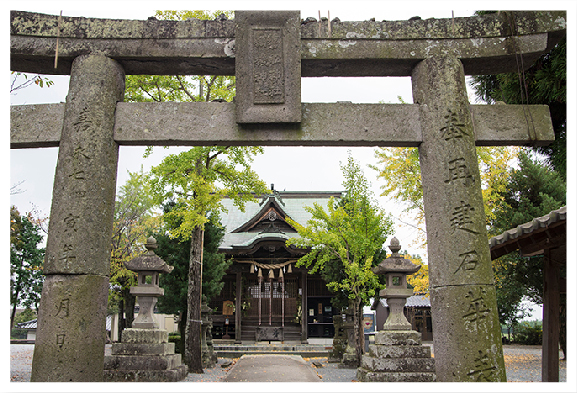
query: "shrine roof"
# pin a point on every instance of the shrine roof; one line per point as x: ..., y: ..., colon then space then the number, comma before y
x: 412, y: 301
x: 532, y: 237
x: 33, y: 324
x: 291, y: 203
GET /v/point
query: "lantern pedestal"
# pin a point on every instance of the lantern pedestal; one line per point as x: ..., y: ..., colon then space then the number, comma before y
x: 397, y: 356
x: 209, y: 358
x: 144, y: 355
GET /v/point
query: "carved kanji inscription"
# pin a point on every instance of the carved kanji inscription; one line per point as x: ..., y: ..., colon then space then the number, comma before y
x: 462, y: 218
x: 476, y: 310
x: 459, y: 172
x: 469, y: 261
x: 484, y: 368
x: 269, y: 83
x: 64, y: 308
x: 454, y: 127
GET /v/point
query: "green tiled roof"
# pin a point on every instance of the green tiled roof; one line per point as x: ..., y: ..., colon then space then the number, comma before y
x: 291, y: 202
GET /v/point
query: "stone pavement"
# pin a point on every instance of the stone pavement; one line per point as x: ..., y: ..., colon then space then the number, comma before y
x: 271, y: 368
x: 523, y: 364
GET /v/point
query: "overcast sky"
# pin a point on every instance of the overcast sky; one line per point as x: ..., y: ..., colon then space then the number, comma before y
x: 291, y: 169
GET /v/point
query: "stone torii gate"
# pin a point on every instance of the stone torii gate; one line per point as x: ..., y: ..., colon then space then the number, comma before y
x: 269, y: 52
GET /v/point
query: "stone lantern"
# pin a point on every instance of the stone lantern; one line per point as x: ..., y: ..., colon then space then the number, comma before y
x: 145, y: 355
x: 148, y: 266
x: 396, y: 268
x: 398, y: 354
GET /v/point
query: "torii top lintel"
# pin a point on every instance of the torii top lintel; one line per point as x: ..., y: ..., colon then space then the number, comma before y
x: 200, y: 47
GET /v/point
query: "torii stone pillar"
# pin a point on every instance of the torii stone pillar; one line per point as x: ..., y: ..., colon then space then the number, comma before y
x: 71, y: 318
x: 467, y: 337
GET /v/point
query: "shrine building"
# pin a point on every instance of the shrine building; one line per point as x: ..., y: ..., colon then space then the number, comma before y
x: 278, y: 301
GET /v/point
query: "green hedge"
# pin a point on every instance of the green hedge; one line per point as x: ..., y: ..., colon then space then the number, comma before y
x: 175, y: 338
x: 528, y: 333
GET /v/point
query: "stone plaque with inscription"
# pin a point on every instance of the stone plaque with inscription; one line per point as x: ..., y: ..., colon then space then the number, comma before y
x: 268, y: 69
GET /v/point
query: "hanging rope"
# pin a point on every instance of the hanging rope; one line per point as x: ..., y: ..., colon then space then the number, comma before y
x: 522, y: 81
x: 57, y: 41
x: 268, y: 266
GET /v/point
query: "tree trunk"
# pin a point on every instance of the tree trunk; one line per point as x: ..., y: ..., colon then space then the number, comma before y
x: 129, y: 302
x: 12, y: 316
x: 361, y: 329
x: 182, y: 331
x: 356, y: 330
x: 121, y: 320
x: 193, y: 354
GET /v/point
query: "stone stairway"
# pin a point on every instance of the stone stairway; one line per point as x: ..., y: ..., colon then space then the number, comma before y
x: 226, y: 350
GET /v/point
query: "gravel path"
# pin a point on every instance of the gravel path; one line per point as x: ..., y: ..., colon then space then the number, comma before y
x: 523, y: 364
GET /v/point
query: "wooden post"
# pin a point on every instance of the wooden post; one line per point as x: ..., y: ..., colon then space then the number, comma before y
x: 238, y: 307
x: 304, y: 316
x: 551, y: 307
x: 259, y: 296
x: 281, y: 278
x: 270, y: 301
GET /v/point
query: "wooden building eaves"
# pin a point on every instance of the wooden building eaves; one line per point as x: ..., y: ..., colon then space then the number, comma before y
x: 533, y: 237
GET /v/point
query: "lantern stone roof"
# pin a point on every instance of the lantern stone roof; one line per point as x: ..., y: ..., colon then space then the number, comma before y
x: 264, y: 220
x: 149, y: 261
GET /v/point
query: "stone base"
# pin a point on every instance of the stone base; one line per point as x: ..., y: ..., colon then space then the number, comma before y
x: 174, y: 375
x: 397, y: 356
x: 336, y: 355
x: 349, y: 360
x: 375, y: 376
x: 144, y: 355
x: 209, y: 358
x: 265, y: 333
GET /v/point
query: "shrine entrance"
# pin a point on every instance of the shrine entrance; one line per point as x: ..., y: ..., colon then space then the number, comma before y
x: 272, y: 306
x: 268, y: 290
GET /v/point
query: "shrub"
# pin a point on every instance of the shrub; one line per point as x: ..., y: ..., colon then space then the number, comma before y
x: 175, y: 338
x: 529, y: 333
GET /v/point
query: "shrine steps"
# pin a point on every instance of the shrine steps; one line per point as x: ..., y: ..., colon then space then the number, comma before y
x: 274, y: 347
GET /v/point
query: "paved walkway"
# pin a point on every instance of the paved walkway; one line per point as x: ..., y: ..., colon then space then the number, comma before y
x: 271, y: 368
x: 523, y: 364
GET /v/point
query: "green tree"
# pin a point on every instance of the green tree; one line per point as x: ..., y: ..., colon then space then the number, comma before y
x: 176, y: 252
x: 26, y: 260
x: 22, y: 80
x: 544, y: 82
x: 196, y: 180
x: 132, y: 219
x: 533, y: 190
x: 180, y: 88
x: 352, y: 233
